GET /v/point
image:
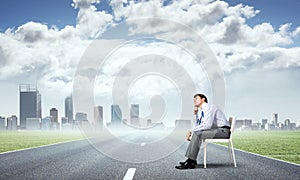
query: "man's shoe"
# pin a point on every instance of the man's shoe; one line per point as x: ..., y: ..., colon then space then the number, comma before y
x: 183, y: 162
x: 187, y: 165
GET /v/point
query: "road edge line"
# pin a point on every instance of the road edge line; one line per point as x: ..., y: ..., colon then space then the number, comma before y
x: 46, y: 145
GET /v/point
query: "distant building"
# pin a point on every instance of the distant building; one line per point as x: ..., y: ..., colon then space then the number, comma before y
x: 30, y: 103
x: 64, y: 120
x: 54, y: 114
x: 2, y: 123
x: 287, y: 124
x: 270, y: 127
x: 134, y: 115
x: 275, y: 119
x: 80, y: 117
x: 46, y: 123
x: 243, y: 124
x: 255, y: 126
x: 263, y: 123
x: 69, y: 109
x: 293, y: 126
x: 12, y: 123
x: 33, y: 123
x: 98, y: 116
x: 116, y: 115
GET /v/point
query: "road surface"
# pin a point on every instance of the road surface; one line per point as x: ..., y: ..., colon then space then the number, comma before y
x: 80, y: 160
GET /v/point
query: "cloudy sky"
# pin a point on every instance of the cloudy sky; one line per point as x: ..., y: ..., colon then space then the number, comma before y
x: 256, y: 44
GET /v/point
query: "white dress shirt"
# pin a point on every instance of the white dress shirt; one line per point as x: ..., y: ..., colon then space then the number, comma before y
x: 211, y: 118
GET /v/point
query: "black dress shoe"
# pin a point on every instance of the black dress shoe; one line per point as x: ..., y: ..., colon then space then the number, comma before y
x: 187, y: 165
x: 183, y: 162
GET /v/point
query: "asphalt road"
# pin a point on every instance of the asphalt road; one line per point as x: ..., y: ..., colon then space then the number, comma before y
x: 80, y: 160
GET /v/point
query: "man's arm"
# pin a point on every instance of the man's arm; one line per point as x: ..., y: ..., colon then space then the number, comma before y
x: 207, y: 120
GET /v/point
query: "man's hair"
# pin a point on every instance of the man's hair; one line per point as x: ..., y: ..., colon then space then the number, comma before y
x: 201, y: 96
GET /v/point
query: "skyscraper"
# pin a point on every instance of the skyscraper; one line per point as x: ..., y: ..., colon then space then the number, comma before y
x: 54, y: 114
x: 98, y: 116
x: 134, y: 115
x: 2, y: 123
x: 275, y: 119
x: 80, y: 117
x: 69, y: 109
x: 30, y: 103
x: 116, y: 115
x: 12, y: 123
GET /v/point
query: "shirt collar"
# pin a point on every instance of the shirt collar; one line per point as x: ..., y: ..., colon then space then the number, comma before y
x: 204, y: 106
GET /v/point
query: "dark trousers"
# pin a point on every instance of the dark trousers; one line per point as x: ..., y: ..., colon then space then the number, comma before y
x: 195, y: 143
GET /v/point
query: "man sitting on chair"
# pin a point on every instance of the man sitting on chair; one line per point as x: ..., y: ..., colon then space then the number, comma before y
x: 210, y: 122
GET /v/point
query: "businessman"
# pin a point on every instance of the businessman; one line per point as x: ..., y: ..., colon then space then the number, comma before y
x: 210, y: 122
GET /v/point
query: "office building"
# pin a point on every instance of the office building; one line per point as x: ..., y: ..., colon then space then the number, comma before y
x: 243, y: 124
x: 263, y: 123
x: 30, y: 103
x: 287, y: 123
x: 69, y: 109
x: 46, y: 123
x: 54, y: 114
x: 2, y: 123
x: 33, y: 123
x: 64, y: 120
x: 275, y: 119
x: 98, y: 116
x: 116, y: 115
x: 134, y: 115
x: 80, y: 117
x: 12, y: 123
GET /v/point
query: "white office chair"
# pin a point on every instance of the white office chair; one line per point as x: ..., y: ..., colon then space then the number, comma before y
x: 229, y: 140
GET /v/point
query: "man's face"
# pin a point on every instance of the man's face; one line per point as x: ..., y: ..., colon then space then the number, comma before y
x: 198, y: 101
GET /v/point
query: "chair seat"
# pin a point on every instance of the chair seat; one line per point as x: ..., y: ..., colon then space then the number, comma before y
x: 216, y: 140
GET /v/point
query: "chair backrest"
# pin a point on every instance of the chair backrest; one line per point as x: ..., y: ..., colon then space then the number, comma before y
x: 232, y: 123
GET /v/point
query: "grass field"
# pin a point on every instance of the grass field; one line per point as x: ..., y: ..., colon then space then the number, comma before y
x: 284, y: 145
x: 13, y: 140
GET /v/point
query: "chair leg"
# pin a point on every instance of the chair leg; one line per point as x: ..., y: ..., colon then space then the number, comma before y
x: 233, y: 156
x: 229, y: 151
x: 204, y: 153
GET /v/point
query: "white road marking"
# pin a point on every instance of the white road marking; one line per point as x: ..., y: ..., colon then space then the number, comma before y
x: 130, y: 173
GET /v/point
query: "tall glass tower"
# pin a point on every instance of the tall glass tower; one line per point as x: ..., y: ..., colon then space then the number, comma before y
x: 30, y: 103
x: 134, y: 115
x: 98, y: 116
x: 69, y: 109
x: 116, y: 115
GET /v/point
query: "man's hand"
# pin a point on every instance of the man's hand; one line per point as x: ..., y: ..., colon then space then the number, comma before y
x: 195, y: 110
x: 188, y: 135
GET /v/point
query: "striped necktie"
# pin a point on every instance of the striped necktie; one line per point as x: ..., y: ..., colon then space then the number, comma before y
x: 199, y: 120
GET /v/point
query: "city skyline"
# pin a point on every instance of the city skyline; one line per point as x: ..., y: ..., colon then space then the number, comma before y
x: 256, y: 46
x: 32, y: 93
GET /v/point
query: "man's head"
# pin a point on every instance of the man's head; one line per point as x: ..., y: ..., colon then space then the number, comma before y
x: 199, y: 99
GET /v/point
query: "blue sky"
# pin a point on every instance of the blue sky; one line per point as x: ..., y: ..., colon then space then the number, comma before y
x: 258, y: 62
x: 276, y: 12
x: 14, y: 13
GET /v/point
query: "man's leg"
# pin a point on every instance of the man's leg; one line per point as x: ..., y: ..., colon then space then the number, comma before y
x: 194, y: 146
x: 195, y: 143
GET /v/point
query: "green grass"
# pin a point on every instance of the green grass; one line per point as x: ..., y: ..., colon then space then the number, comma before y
x: 284, y: 145
x: 13, y: 140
